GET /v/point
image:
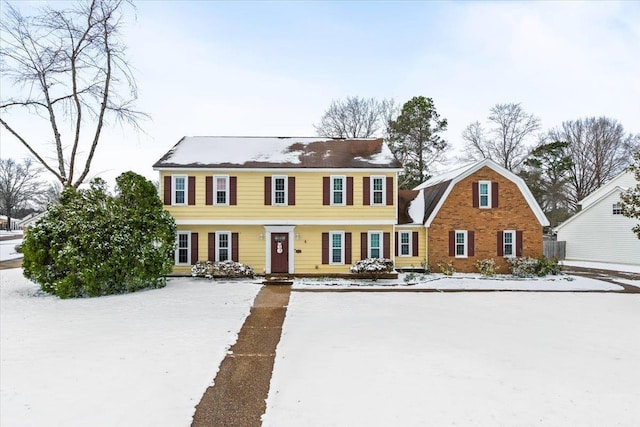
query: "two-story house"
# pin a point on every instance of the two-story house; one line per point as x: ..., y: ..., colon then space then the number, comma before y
x: 317, y: 205
x: 281, y: 205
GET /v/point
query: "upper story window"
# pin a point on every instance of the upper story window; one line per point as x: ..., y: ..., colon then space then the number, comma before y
x: 179, y: 193
x: 508, y: 243
x: 337, y: 247
x: 377, y: 190
x: 338, y: 190
x: 375, y: 244
x: 617, y: 209
x: 484, y: 192
x: 221, y: 184
x: 405, y: 243
x: 279, y: 190
x: 183, y: 250
x: 461, y: 244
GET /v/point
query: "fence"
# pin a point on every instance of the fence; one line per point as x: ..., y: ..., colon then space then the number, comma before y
x: 555, y: 249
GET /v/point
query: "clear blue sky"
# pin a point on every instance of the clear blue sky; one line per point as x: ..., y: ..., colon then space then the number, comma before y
x: 272, y: 68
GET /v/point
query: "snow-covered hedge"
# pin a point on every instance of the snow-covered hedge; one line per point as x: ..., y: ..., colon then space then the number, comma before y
x: 229, y: 268
x: 487, y: 267
x: 93, y: 243
x: 532, y: 267
x: 373, y: 266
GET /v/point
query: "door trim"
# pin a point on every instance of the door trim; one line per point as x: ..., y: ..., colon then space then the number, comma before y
x: 278, y: 229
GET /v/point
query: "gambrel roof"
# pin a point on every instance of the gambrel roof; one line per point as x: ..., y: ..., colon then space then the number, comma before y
x: 433, y: 192
x: 222, y: 152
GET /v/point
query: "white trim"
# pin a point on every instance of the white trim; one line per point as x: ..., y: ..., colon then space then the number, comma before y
x: 354, y: 222
x: 342, y: 243
x: 465, y: 172
x: 215, y: 190
x: 173, y: 190
x: 380, y: 243
x: 410, y: 243
x: 344, y: 190
x: 278, y: 229
x: 229, y: 246
x: 176, y: 255
x: 384, y: 190
x: 285, y: 178
x: 513, y: 243
x: 455, y: 243
x: 489, y: 199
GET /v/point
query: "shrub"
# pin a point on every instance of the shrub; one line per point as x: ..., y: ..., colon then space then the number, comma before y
x: 372, y: 266
x: 523, y: 266
x: 487, y: 267
x: 446, y: 268
x: 532, y: 267
x: 548, y: 266
x: 93, y: 244
x: 426, y: 267
x: 228, y: 269
x: 410, y: 277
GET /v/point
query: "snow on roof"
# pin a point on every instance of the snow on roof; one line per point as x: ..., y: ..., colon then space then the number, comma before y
x: 416, y: 208
x: 624, y: 180
x: 280, y: 152
x: 445, y: 176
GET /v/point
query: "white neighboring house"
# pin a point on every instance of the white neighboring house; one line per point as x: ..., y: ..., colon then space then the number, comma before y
x: 599, y: 232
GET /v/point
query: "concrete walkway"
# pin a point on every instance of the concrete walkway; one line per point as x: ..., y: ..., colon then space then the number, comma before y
x: 238, y: 395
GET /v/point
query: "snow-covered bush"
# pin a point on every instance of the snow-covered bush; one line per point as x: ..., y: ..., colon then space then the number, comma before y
x: 93, y: 243
x: 487, y: 267
x: 446, y: 268
x: 523, y: 266
x: 372, y: 266
x: 229, y: 268
x: 531, y: 267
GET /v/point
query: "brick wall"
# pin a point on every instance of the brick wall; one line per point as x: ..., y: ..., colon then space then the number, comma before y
x: 458, y: 213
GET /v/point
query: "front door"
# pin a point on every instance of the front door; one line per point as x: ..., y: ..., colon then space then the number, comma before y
x: 279, y: 252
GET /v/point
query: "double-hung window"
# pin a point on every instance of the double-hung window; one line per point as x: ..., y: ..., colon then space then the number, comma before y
x: 377, y: 190
x: 279, y: 190
x: 338, y: 190
x: 508, y: 243
x: 617, y: 209
x: 179, y: 194
x: 375, y: 244
x: 405, y: 243
x: 223, y: 246
x: 183, y: 250
x: 336, y: 239
x: 484, y: 193
x: 461, y: 243
x: 221, y: 185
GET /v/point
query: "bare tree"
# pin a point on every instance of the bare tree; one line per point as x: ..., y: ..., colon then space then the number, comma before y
x: 19, y: 186
x: 599, y: 150
x: 506, y: 140
x: 356, y: 117
x: 70, y: 70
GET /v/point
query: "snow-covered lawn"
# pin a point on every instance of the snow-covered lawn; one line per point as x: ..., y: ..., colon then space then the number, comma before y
x: 472, y: 359
x: 142, y: 359
x: 8, y: 249
x: 603, y: 265
x: 464, y: 281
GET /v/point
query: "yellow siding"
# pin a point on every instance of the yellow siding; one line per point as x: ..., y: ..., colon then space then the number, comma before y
x: 250, y: 199
x: 413, y: 261
x: 307, y: 240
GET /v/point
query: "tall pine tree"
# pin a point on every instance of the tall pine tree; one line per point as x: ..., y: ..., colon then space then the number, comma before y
x: 415, y: 141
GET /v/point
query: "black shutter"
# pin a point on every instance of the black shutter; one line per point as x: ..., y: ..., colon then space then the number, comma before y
x: 364, y: 247
x: 211, y: 248
x: 326, y: 190
x: 208, y: 188
x: 267, y: 190
x: 167, y: 190
x: 494, y: 194
x: 499, y: 243
x: 325, y: 248
x: 452, y: 243
x: 192, y: 190
x: 415, y: 242
x: 475, y: 195
x: 347, y: 248
x: 194, y: 248
x: 234, y: 247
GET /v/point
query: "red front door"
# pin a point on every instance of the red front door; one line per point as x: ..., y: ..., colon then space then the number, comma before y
x: 279, y: 252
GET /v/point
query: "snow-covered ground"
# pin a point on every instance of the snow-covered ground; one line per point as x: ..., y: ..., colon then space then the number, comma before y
x: 8, y: 249
x: 464, y: 281
x: 472, y: 359
x: 142, y: 359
